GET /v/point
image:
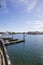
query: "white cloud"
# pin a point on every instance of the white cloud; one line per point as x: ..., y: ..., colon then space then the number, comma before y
x: 39, y: 9
x: 35, y: 24
x: 39, y: 13
x: 3, y: 8
x: 35, y: 5
x: 31, y: 6
x: 13, y: 1
x: 24, y: 1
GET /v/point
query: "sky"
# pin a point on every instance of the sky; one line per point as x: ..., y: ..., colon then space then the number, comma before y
x: 21, y: 15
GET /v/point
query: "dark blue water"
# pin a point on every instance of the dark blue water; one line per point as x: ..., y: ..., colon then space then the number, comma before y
x: 29, y: 52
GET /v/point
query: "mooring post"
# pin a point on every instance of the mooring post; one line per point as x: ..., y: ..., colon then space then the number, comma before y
x: 12, y: 36
x: 24, y: 37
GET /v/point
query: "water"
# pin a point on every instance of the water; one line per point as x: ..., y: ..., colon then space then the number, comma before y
x: 28, y: 53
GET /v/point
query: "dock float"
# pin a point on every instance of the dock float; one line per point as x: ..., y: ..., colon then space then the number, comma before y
x: 13, y: 42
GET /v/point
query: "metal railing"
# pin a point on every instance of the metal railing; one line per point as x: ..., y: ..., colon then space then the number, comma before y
x: 6, y: 57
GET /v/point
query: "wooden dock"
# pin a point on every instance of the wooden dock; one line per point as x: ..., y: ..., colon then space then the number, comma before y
x: 13, y: 42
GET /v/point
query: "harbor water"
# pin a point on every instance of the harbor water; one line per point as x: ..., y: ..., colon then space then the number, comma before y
x: 29, y: 52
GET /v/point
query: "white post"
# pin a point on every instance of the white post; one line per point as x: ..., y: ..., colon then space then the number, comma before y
x: 24, y: 36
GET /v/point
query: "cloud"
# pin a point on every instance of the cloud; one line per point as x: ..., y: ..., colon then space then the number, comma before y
x: 13, y: 1
x: 35, y: 24
x: 35, y: 5
x: 32, y: 5
x: 3, y: 8
x: 24, y: 1
x: 29, y: 4
x: 38, y: 11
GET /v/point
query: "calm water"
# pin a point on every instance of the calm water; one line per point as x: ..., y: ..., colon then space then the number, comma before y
x: 28, y: 53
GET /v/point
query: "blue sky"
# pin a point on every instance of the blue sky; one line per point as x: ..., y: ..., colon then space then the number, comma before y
x: 21, y: 15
